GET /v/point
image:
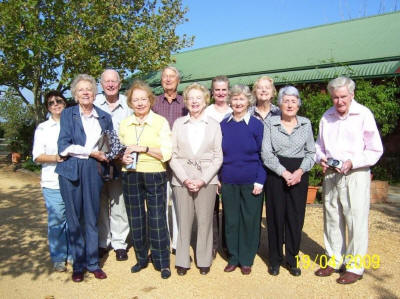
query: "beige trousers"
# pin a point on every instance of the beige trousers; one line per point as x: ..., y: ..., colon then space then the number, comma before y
x: 188, y: 205
x: 346, y: 203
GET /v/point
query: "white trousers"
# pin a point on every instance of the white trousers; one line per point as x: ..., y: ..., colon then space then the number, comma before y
x: 346, y: 203
x: 175, y: 231
x: 113, y: 220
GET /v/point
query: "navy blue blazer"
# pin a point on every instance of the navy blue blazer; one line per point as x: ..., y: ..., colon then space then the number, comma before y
x: 72, y: 132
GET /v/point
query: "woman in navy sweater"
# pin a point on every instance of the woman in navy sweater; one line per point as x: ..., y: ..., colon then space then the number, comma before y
x: 242, y: 177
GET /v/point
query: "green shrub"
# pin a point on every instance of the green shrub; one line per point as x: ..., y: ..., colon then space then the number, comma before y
x: 30, y: 165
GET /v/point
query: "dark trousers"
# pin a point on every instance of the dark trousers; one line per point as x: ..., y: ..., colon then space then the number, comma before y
x: 242, y: 222
x: 218, y: 226
x: 82, y: 202
x: 285, y: 213
x: 151, y: 189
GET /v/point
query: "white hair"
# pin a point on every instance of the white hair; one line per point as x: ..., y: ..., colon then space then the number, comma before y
x: 288, y: 91
x: 340, y: 82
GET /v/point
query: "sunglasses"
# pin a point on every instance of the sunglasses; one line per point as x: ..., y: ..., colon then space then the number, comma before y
x: 55, y: 102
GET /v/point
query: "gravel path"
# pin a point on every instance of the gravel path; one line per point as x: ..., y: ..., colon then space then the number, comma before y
x: 26, y: 272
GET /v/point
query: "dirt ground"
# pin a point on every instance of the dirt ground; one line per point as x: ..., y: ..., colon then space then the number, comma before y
x: 26, y: 270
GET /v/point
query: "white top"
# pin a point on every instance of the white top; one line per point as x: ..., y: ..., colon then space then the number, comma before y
x: 45, y: 142
x: 215, y: 114
x: 196, y: 131
x: 92, y: 129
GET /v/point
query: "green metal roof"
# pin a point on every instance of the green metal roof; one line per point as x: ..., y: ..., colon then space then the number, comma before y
x: 366, y: 47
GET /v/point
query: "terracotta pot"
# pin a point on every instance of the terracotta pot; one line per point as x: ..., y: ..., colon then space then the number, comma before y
x: 379, y: 191
x: 312, y: 194
x: 15, y: 158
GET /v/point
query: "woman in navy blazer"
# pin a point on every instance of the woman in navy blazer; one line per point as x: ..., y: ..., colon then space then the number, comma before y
x: 80, y: 182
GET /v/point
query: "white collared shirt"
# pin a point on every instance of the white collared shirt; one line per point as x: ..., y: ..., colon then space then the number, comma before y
x: 45, y: 142
x: 246, y: 118
x: 92, y: 129
x: 196, y: 131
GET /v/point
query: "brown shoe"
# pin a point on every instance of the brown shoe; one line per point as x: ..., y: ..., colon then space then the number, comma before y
x: 324, y: 272
x: 181, y: 270
x: 77, y: 276
x: 204, y: 270
x: 246, y: 270
x: 230, y: 268
x: 99, y: 274
x: 348, y: 277
x: 121, y: 255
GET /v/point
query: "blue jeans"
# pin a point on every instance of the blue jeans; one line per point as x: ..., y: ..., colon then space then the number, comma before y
x: 57, y: 226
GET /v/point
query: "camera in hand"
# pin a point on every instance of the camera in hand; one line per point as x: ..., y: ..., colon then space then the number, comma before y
x: 334, y: 163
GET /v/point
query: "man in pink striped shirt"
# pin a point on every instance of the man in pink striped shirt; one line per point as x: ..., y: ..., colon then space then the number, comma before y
x: 348, y: 144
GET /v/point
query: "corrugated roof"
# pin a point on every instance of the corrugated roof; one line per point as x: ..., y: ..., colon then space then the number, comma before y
x: 366, y: 47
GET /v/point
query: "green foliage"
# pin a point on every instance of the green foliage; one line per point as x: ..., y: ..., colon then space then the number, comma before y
x: 314, y: 104
x: 18, y: 122
x: 381, y: 98
x: 315, y: 176
x: 387, y: 169
x: 44, y: 44
x: 30, y: 165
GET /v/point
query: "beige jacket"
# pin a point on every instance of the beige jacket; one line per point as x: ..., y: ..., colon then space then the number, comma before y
x: 205, y: 163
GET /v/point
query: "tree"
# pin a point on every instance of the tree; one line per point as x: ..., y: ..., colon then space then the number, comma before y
x: 44, y: 44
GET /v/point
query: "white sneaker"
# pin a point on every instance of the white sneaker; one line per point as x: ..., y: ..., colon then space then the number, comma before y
x: 60, y: 267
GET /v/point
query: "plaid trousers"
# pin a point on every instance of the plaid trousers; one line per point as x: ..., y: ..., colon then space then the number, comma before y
x: 138, y: 188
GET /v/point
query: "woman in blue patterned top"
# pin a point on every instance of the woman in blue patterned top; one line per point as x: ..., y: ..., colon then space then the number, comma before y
x: 288, y: 151
x: 242, y: 177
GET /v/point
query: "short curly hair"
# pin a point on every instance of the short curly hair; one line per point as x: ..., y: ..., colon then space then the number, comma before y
x: 197, y: 86
x: 139, y: 84
x: 239, y: 89
x: 83, y: 77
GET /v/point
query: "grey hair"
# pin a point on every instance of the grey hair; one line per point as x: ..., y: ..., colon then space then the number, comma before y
x: 172, y: 68
x: 340, y: 82
x: 289, y: 90
x: 107, y: 70
x: 83, y: 77
x: 239, y: 89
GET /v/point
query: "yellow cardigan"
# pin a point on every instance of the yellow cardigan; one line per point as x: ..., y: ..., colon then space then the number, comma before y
x: 156, y: 133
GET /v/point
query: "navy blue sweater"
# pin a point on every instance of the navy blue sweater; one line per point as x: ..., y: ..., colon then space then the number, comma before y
x: 241, y: 146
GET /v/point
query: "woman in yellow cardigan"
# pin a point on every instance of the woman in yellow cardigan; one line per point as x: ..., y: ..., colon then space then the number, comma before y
x: 148, y: 139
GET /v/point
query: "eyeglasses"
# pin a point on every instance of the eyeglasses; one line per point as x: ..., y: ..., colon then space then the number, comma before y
x: 55, y: 102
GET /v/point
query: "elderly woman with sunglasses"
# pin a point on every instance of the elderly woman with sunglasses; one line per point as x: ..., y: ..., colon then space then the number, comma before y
x: 45, y: 152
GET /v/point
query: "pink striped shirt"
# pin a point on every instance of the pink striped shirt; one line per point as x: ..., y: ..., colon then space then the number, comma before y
x: 352, y: 137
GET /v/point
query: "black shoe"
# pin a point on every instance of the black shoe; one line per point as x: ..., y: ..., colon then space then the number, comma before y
x: 136, y: 268
x: 294, y: 270
x: 181, y: 270
x: 165, y: 273
x: 121, y: 255
x: 102, y: 252
x: 204, y: 270
x: 273, y: 270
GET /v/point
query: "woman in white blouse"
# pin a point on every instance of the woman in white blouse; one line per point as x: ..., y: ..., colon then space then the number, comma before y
x: 45, y: 153
x: 196, y: 159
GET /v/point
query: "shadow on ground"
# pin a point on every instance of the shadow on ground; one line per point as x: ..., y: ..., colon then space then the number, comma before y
x: 23, y: 231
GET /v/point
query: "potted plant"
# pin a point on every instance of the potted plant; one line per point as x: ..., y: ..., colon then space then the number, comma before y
x: 379, y: 184
x: 16, y: 150
x: 314, y: 183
